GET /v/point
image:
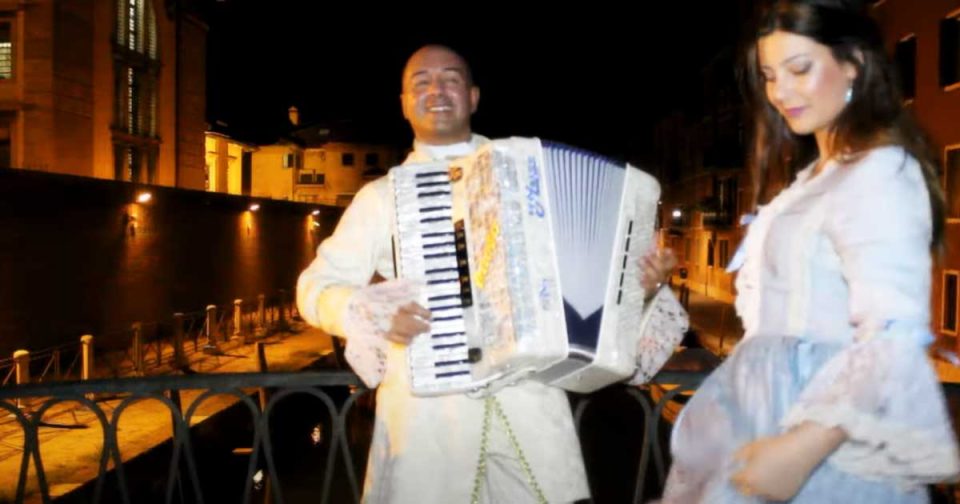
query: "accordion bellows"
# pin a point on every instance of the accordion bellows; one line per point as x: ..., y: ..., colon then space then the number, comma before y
x: 529, y: 252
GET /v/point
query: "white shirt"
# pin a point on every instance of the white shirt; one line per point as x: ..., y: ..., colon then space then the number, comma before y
x: 425, y: 450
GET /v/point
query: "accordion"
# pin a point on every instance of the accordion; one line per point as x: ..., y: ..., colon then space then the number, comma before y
x: 529, y: 255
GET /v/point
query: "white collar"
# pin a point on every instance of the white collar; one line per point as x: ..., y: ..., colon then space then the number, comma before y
x: 423, y: 152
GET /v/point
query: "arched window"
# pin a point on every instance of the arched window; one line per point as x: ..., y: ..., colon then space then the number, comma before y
x: 136, y: 71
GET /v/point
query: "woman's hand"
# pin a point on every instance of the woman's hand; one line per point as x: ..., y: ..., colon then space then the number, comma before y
x: 775, y: 468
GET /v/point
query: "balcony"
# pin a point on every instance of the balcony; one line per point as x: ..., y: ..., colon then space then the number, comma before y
x: 298, y: 434
x: 310, y: 178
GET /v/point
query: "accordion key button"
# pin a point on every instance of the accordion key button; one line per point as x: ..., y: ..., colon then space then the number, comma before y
x: 474, y: 354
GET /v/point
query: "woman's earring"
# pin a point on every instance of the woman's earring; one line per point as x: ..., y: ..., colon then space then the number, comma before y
x: 849, y: 95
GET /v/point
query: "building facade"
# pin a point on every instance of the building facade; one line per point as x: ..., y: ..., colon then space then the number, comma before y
x: 106, y: 89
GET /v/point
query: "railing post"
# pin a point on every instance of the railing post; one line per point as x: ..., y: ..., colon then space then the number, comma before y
x: 179, y: 359
x: 86, y: 359
x: 237, y: 318
x: 210, y: 327
x: 21, y: 362
x: 138, y: 365
x: 261, y: 315
x: 177, y: 401
x: 86, y: 353
x: 264, y: 398
x: 282, y: 309
x: 158, y: 340
x: 56, y: 365
x: 262, y: 368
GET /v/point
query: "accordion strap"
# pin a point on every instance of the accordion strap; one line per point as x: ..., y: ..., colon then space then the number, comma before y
x: 492, y: 405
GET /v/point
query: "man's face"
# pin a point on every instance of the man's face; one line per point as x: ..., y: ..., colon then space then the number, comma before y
x: 438, y: 97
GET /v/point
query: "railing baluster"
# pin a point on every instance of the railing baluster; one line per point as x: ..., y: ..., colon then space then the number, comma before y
x: 244, y: 387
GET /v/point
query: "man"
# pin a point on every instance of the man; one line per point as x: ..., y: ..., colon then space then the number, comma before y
x: 428, y: 450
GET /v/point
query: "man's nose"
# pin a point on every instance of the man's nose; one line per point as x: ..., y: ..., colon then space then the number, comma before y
x: 436, y: 85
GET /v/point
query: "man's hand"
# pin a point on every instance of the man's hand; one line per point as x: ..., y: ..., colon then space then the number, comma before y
x: 410, y: 320
x: 657, y: 266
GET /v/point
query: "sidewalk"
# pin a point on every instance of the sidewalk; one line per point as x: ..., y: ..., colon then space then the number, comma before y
x: 715, y: 323
x: 71, y: 455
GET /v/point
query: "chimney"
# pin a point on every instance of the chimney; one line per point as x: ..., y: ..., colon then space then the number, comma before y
x: 294, y: 116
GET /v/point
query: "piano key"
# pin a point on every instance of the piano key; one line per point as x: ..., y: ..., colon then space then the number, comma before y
x: 444, y: 308
x: 428, y: 194
x: 446, y: 326
x: 437, y: 271
x: 440, y: 208
x: 445, y: 346
x: 451, y: 334
x: 454, y: 371
x: 432, y: 173
x: 438, y: 183
x: 429, y: 357
x: 443, y: 297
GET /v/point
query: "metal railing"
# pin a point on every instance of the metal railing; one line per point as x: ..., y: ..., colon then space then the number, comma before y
x: 152, y: 346
x: 338, y: 392
x: 182, y: 483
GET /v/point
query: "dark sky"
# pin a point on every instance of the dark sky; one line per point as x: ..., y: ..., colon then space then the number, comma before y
x: 593, y: 76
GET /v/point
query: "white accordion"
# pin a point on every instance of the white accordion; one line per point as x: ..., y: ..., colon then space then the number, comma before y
x: 529, y: 252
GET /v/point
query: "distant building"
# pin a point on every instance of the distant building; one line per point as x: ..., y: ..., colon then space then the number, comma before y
x: 924, y: 38
x: 106, y: 89
x: 320, y: 163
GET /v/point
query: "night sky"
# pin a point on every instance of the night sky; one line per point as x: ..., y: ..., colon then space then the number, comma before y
x: 591, y: 76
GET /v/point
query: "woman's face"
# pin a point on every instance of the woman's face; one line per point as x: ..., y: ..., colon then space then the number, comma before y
x: 803, y: 81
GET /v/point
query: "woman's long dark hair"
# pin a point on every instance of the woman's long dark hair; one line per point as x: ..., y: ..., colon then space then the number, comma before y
x: 874, y: 116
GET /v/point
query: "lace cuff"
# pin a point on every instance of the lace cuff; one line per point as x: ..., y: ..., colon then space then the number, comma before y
x: 366, y: 322
x: 661, y: 330
x: 883, y: 393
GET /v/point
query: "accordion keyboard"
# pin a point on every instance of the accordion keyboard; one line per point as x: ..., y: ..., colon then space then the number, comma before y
x: 438, y: 360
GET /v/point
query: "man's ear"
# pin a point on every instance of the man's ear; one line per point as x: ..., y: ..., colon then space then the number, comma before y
x: 403, y: 106
x: 474, y: 98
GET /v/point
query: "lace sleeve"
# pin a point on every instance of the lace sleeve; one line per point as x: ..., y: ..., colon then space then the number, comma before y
x: 881, y: 389
x: 661, y: 330
x: 884, y: 394
x: 366, y: 322
x: 345, y: 260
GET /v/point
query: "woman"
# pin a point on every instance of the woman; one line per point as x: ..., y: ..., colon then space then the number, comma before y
x: 830, y: 396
